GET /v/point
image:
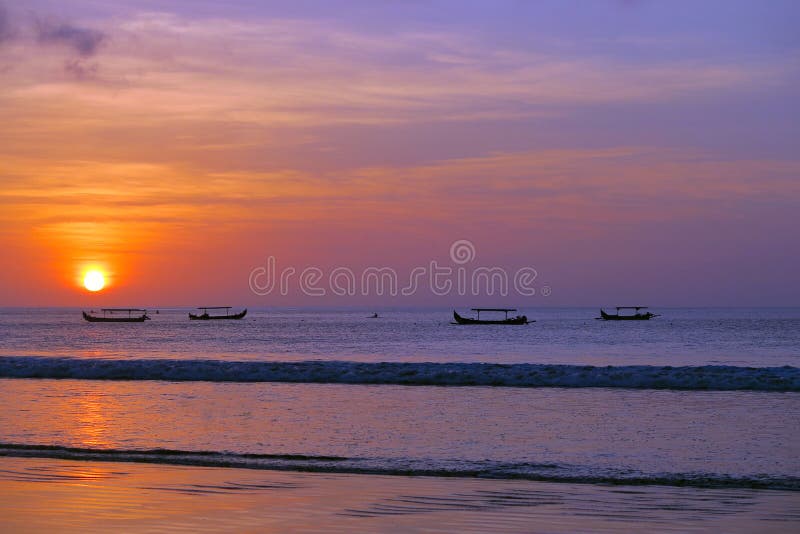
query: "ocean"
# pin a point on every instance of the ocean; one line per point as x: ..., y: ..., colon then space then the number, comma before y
x: 706, y: 400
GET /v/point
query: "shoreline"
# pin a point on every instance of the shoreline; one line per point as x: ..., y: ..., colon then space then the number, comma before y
x: 71, y: 496
x: 298, y: 463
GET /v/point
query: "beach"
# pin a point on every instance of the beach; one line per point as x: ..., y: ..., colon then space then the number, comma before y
x: 69, y: 496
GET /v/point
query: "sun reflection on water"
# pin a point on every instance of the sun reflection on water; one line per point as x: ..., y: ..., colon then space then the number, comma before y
x: 93, y: 424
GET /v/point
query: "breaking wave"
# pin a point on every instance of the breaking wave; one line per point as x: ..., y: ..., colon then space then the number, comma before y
x: 705, y: 377
x: 404, y: 467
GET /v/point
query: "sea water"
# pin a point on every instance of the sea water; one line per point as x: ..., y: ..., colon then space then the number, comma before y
x: 706, y: 398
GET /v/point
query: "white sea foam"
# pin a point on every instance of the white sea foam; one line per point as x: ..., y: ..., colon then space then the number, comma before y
x: 706, y: 377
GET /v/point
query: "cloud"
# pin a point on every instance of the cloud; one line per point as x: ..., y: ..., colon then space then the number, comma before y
x: 80, y: 70
x: 270, y: 72
x: 85, y: 41
x: 593, y: 187
x: 6, y: 31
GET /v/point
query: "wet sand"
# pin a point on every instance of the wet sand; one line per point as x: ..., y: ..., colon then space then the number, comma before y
x: 44, y: 495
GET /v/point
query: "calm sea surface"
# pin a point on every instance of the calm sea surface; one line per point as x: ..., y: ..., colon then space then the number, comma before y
x: 741, y: 336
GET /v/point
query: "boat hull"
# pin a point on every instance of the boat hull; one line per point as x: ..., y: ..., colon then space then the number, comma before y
x: 207, y: 317
x: 138, y: 319
x: 468, y: 320
x: 637, y: 317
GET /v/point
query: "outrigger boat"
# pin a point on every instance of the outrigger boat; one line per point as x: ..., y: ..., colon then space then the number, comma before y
x: 636, y: 316
x: 206, y: 317
x: 519, y: 319
x: 107, y: 312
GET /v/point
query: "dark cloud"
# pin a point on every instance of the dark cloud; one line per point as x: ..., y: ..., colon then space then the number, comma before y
x: 5, y: 25
x: 84, y: 41
x: 81, y: 70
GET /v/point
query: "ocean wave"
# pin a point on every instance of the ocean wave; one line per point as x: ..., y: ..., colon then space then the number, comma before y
x: 706, y: 377
x: 545, y: 472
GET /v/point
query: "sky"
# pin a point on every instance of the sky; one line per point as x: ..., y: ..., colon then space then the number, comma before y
x: 625, y: 152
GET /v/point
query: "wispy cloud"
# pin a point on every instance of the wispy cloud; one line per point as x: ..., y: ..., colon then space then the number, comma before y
x: 38, y: 48
x: 84, y: 41
x: 588, y: 187
x: 305, y: 72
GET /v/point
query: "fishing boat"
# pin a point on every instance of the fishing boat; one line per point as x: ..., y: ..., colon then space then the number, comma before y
x: 109, y: 317
x: 519, y: 319
x: 205, y: 316
x: 637, y: 315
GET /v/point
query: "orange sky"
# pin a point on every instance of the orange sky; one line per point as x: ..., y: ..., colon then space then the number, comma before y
x: 177, y: 151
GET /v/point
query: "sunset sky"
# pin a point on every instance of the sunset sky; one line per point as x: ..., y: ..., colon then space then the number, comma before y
x: 629, y: 151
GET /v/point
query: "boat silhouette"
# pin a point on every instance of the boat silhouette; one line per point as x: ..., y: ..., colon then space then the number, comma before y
x: 206, y: 317
x: 106, y: 318
x: 636, y: 316
x: 520, y: 319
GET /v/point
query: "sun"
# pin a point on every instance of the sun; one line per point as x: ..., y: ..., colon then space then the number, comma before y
x: 94, y: 281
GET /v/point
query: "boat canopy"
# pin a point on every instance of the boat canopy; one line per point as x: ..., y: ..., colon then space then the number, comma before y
x: 214, y: 307
x: 494, y: 309
x: 632, y: 307
x: 122, y: 309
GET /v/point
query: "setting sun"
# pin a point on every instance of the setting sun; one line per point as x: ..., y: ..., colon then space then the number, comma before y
x: 94, y: 281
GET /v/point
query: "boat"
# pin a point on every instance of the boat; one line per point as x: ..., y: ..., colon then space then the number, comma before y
x: 519, y: 319
x: 206, y: 317
x: 636, y: 316
x: 109, y: 312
